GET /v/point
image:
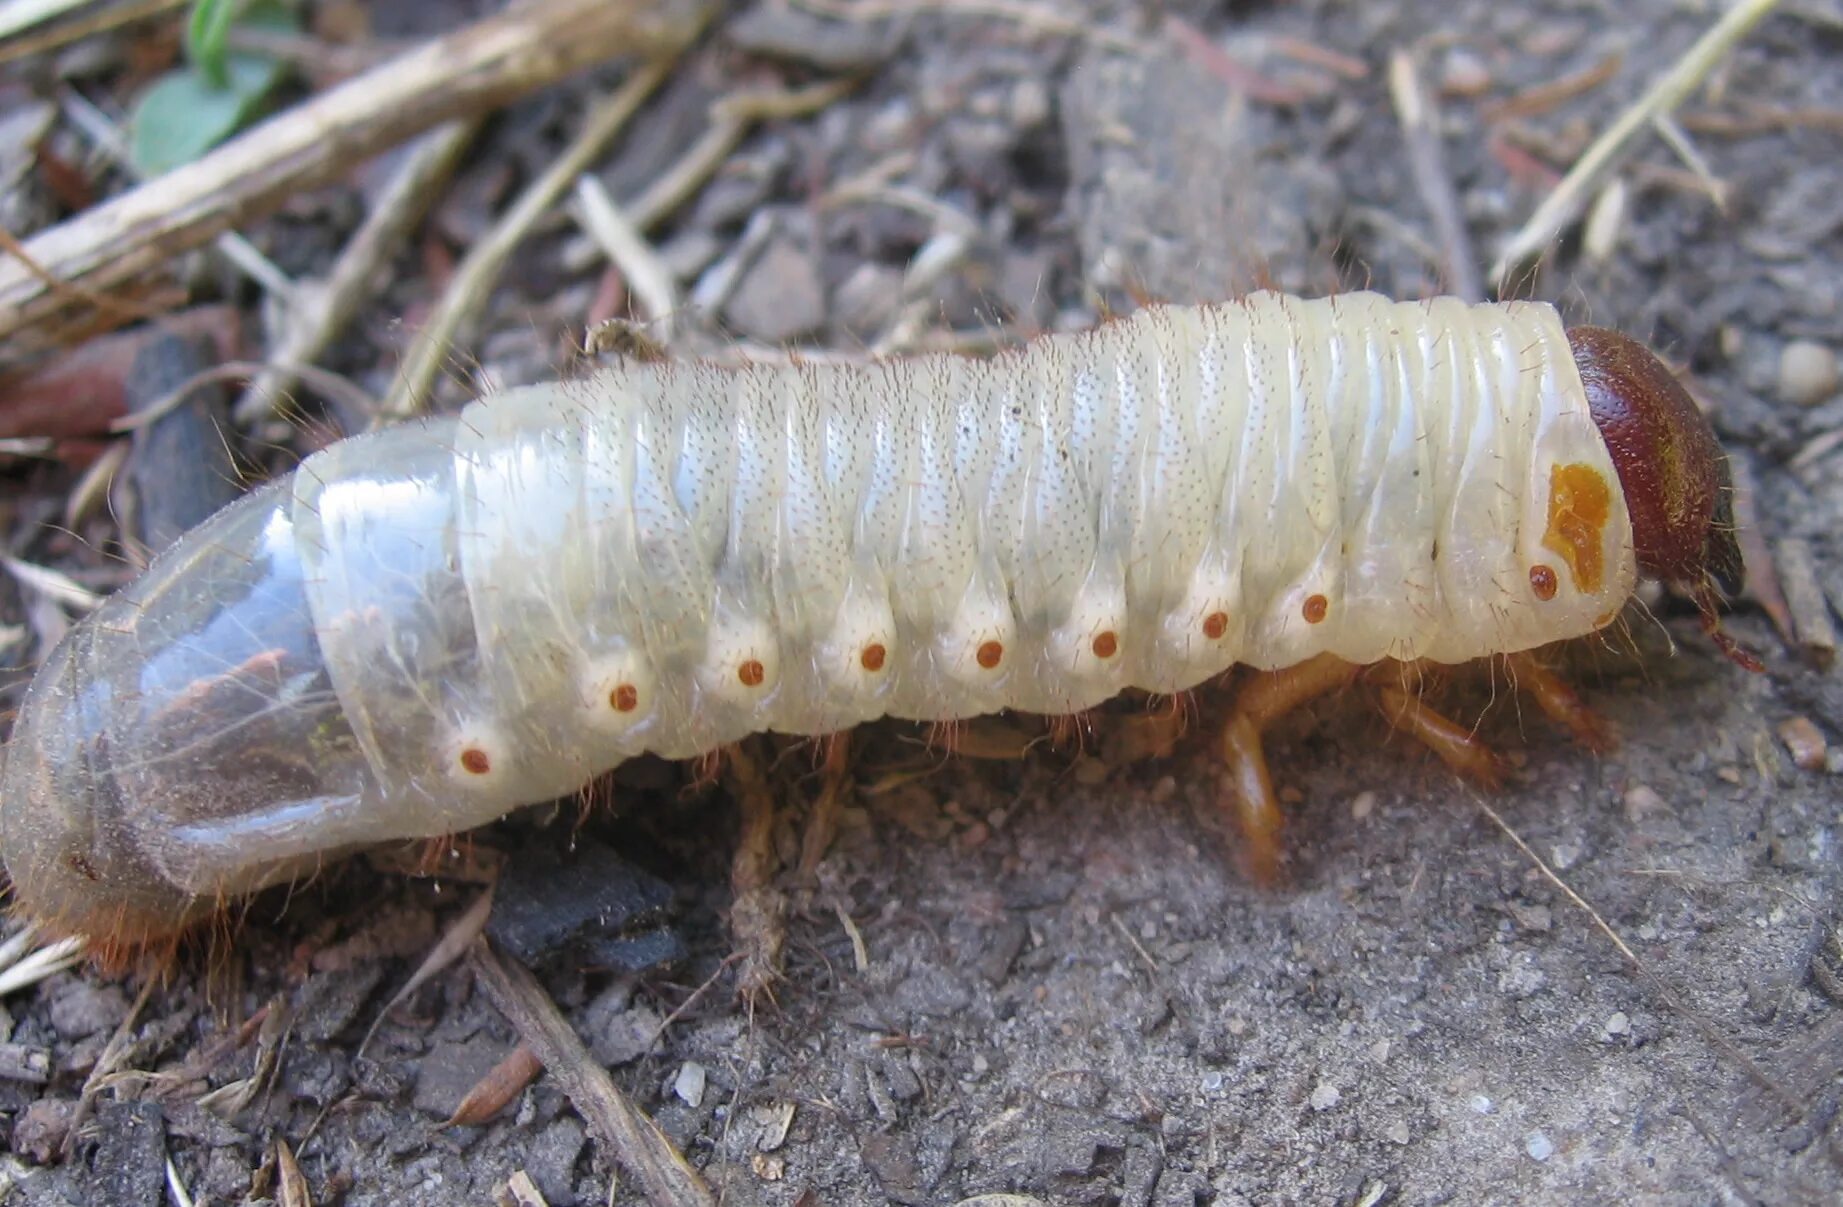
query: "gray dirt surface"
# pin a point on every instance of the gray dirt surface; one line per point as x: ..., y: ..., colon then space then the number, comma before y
x: 1069, y: 992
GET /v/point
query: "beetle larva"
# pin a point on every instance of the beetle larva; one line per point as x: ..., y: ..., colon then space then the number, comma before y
x: 423, y: 628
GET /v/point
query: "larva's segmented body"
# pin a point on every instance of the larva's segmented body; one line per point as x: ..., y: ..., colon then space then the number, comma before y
x: 421, y: 629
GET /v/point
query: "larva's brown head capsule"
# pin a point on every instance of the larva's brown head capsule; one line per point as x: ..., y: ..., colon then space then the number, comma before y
x: 1674, y: 474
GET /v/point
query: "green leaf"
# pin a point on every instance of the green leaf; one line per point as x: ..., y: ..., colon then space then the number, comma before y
x: 208, y: 38
x: 182, y: 116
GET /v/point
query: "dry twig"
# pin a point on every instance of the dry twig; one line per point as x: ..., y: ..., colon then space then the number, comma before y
x: 731, y: 117
x: 631, y: 1137
x: 17, y: 16
x: 1611, y: 148
x: 1420, y: 127
x: 650, y: 281
x: 320, y: 310
x: 474, y: 280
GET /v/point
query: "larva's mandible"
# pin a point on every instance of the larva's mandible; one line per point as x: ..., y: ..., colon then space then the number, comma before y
x: 421, y: 629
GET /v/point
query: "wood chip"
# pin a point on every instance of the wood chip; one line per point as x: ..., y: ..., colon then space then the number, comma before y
x: 521, y: 1191
x: 25, y: 1063
x: 1804, y: 600
x: 495, y: 1091
x: 1805, y: 743
x: 293, y: 1186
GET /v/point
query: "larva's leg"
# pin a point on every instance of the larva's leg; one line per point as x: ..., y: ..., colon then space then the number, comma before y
x: 1553, y: 695
x: 1263, y: 700
x: 997, y: 739
x: 1152, y: 734
x: 1457, y: 746
x: 822, y: 825
x: 758, y: 914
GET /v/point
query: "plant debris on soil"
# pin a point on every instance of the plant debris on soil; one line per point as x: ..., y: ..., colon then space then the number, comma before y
x: 1039, y: 974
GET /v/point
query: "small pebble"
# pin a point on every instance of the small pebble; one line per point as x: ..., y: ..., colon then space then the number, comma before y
x: 1618, y: 1024
x: 1641, y: 801
x: 1325, y: 1097
x: 1398, y: 1133
x: 869, y: 298
x: 1362, y: 805
x: 689, y: 1084
x: 1030, y: 104
x: 1539, y: 1146
x: 1805, y: 743
x: 780, y: 298
x: 1807, y: 373
x: 1481, y: 1105
x: 1464, y: 74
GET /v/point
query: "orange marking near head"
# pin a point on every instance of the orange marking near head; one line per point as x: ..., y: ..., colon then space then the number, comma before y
x: 624, y: 698
x: 751, y: 673
x: 1316, y: 609
x: 872, y: 657
x: 1580, y: 503
x: 1215, y: 625
x: 990, y: 654
x: 1106, y: 645
x: 1542, y: 581
x: 475, y: 762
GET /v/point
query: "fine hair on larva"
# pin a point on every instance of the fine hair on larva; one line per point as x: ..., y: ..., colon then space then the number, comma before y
x: 423, y: 628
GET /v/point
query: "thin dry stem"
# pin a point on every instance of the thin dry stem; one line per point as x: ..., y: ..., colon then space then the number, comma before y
x: 1420, y: 126
x: 485, y: 262
x: 632, y: 1139
x: 1616, y: 143
x: 321, y: 311
x: 650, y: 281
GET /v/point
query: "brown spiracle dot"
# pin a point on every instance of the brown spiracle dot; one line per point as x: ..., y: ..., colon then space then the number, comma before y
x: 1316, y: 608
x: 474, y: 761
x: 1215, y: 625
x: 1106, y: 644
x: 624, y: 698
x: 751, y: 673
x: 873, y: 656
x: 991, y: 654
x: 1542, y: 581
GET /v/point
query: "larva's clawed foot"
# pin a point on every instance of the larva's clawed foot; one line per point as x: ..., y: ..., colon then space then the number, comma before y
x: 758, y: 914
x: 1561, y: 704
x: 1252, y: 803
x: 822, y: 823
x: 758, y: 924
x: 1457, y: 746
